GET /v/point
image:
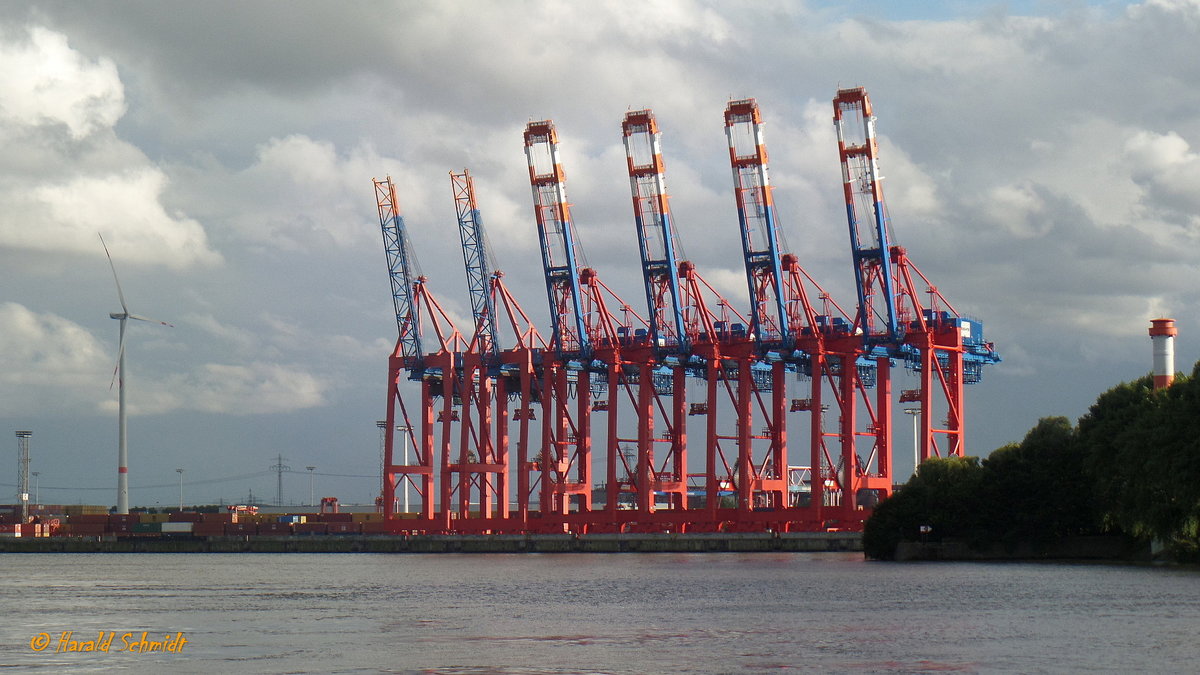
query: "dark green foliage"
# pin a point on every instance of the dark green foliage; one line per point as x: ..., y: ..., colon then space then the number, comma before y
x: 1145, y: 460
x: 1131, y: 466
x: 1038, y: 491
x: 941, y: 496
x: 1035, y: 491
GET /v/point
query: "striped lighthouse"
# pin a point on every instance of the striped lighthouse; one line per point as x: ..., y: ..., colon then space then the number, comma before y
x: 1162, y: 334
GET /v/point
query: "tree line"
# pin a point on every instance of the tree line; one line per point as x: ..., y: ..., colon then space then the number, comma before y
x: 1130, y: 466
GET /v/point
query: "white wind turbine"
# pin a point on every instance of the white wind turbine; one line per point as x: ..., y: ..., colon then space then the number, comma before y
x: 119, y: 378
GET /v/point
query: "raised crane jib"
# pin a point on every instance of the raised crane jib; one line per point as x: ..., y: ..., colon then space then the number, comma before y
x: 756, y: 215
x: 556, y: 237
x: 865, y: 210
x: 404, y: 274
x: 476, y: 261
x: 656, y: 234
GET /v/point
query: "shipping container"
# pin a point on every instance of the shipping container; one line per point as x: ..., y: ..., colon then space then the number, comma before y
x: 335, y: 517
x: 89, y: 519
x: 87, y: 530
x: 184, y: 517
x: 375, y: 527
x: 176, y: 528
x: 208, y: 529
x: 311, y: 528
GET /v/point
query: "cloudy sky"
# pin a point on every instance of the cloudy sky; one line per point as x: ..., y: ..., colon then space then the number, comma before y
x: 1041, y: 168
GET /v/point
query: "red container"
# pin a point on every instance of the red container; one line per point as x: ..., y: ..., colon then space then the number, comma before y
x: 87, y: 529
x: 90, y: 519
x: 240, y: 528
x: 311, y: 528
x: 217, y: 518
x: 345, y: 528
x: 208, y: 529
x: 184, y: 517
x: 335, y: 517
x: 274, y: 529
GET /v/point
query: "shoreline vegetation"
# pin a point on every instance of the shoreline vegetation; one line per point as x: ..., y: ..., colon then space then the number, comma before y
x: 1123, y: 483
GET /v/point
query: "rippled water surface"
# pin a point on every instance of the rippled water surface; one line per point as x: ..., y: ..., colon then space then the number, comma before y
x: 585, y: 613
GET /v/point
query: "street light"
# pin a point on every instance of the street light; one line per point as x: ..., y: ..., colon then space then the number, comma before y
x: 180, y: 472
x: 311, y: 491
x: 406, y: 430
x: 916, y: 438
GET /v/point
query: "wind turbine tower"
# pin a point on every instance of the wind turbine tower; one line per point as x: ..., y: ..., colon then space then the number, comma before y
x: 119, y: 378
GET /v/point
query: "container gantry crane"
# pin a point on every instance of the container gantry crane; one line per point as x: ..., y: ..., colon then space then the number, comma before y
x: 480, y: 470
x: 579, y: 317
x: 488, y: 379
x: 945, y: 349
x: 414, y: 305
x: 635, y: 370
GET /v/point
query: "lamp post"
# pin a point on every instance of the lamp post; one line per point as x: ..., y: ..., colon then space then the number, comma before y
x: 180, y: 472
x: 916, y: 438
x: 23, y: 471
x: 406, y: 430
x: 311, y: 490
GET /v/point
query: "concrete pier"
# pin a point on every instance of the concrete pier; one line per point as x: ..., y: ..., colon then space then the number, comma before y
x: 795, y: 542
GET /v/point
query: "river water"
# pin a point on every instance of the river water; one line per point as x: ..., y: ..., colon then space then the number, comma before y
x: 590, y: 613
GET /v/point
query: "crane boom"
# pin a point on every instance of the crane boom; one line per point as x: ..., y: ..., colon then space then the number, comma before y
x: 656, y: 233
x: 556, y: 237
x: 756, y: 215
x: 869, y: 239
x: 475, y: 259
x: 404, y: 274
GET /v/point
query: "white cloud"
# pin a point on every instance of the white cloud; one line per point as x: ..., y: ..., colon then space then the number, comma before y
x: 252, y: 389
x: 47, y: 361
x: 44, y: 81
x: 58, y: 188
x: 125, y: 208
x: 1166, y: 165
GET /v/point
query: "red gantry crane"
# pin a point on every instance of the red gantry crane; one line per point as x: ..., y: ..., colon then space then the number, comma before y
x: 635, y: 371
x: 946, y: 350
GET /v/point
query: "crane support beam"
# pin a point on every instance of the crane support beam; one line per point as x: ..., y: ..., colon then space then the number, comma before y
x: 756, y: 216
x: 655, y: 231
x: 475, y: 260
x: 403, y: 273
x: 867, y: 216
x: 556, y: 236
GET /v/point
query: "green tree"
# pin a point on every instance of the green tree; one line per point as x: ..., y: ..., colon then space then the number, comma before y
x: 1039, y: 490
x: 1144, y: 455
x: 941, y: 496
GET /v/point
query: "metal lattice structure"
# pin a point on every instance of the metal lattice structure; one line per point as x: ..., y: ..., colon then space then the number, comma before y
x: 591, y: 432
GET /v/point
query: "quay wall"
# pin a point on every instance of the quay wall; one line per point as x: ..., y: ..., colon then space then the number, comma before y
x: 809, y: 542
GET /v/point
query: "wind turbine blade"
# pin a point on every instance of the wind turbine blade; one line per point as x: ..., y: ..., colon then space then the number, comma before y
x: 142, y: 318
x: 114, y: 271
x: 117, y: 365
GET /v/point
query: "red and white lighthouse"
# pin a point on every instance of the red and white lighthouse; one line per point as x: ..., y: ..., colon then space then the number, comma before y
x: 1162, y: 334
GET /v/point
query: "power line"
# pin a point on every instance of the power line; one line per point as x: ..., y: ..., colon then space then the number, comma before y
x: 207, y: 481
